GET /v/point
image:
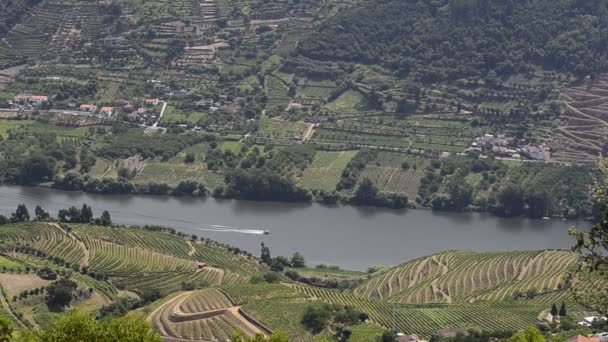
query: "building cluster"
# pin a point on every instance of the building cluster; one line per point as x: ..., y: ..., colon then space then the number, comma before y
x: 141, y: 114
x: 508, y: 147
x: 223, y: 103
x: 167, y: 90
x: 103, y: 112
x: 30, y: 100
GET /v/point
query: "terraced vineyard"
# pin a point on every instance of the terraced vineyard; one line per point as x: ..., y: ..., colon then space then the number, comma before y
x: 389, y: 175
x: 581, y: 134
x: 425, y: 320
x: 326, y: 169
x: 201, y: 315
x: 175, y: 172
x: 469, y: 277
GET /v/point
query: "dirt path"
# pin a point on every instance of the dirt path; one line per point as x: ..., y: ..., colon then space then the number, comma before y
x: 175, y: 305
x: 192, y: 250
x: 162, y: 306
x: 84, y: 261
x: 309, y: 133
x: 7, y: 308
x: 219, y: 271
x: 162, y: 112
x: 436, y: 289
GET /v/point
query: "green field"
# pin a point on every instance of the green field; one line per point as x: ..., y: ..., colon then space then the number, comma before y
x: 6, y: 125
x: 174, y: 116
x: 389, y: 176
x: 326, y: 169
x: 174, y: 172
x: 273, y: 128
x: 350, y: 102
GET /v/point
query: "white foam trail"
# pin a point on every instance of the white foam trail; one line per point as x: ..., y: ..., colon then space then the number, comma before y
x: 231, y: 230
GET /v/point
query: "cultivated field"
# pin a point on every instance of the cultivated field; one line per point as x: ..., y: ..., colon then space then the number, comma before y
x: 208, y: 315
x: 326, y: 169
x: 389, y: 175
x: 581, y: 135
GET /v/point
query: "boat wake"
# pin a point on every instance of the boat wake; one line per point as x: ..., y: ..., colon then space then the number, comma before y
x: 228, y: 229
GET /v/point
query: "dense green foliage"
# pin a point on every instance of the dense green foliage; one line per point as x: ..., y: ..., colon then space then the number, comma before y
x: 78, y: 326
x: 11, y: 11
x: 448, y: 39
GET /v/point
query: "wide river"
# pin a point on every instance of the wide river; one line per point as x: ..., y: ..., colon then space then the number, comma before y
x: 352, y: 237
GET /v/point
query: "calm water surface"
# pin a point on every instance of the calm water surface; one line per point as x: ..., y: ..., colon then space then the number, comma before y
x: 352, y: 237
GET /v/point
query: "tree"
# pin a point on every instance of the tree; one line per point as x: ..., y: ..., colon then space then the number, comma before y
x: 532, y: 334
x: 366, y: 193
x: 41, y: 215
x: 277, y: 266
x: 105, y: 219
x: 21, y: 214
x: 562, y: 310
x: 35, y: 169
x: 190, y: 158
x: 554, y: 311
x: 387, y: 336
x: 265, y: 256
x: 6, y: 329
x: 77, y: 326
x: 297, y: 260
x: 59, y: 293
x: 589, y: 282
x: 316, y: 317
x: 131, y: 327
x: 86, y: 214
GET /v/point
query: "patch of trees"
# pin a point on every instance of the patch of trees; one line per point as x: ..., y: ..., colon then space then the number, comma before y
x: 317, y: 317
x: 59, y: 293
x: 12, y: 11
x: 129, y: 142
x: 368, y: 194
x: 532, y: 189
x: 263, y: 185
x: 452, y: 39
x: 78, y: 326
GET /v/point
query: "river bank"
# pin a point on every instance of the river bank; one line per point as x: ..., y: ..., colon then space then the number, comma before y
x: 351, y: 237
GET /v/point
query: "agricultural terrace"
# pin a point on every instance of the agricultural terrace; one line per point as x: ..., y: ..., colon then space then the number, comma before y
x: 426, y: 320
x: 326, y: 169
x: 136, y: 259
x: 469, y: 277
x: 207, y: 315
x: 396, y: 173
x: 176, y: 171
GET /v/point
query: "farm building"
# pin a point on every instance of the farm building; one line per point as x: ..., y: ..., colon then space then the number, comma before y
x: 152, y: 102
x: 88, y: 108
x: 34, y: 100
x: 106, y: 111
x: 200, y: 265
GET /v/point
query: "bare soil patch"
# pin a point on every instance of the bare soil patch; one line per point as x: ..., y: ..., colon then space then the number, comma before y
x: 15, y: 283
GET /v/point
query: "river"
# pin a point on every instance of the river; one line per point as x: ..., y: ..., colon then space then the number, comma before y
x: 352, y: 237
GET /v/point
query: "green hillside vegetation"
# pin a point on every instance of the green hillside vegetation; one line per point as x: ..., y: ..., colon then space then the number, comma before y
x: 463, y: 38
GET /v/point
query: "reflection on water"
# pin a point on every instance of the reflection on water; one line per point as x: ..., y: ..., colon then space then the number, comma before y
x: 353, y: 237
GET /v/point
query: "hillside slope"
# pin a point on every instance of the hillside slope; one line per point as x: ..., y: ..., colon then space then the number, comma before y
x: 448, y: 39
x: 460, y: 276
